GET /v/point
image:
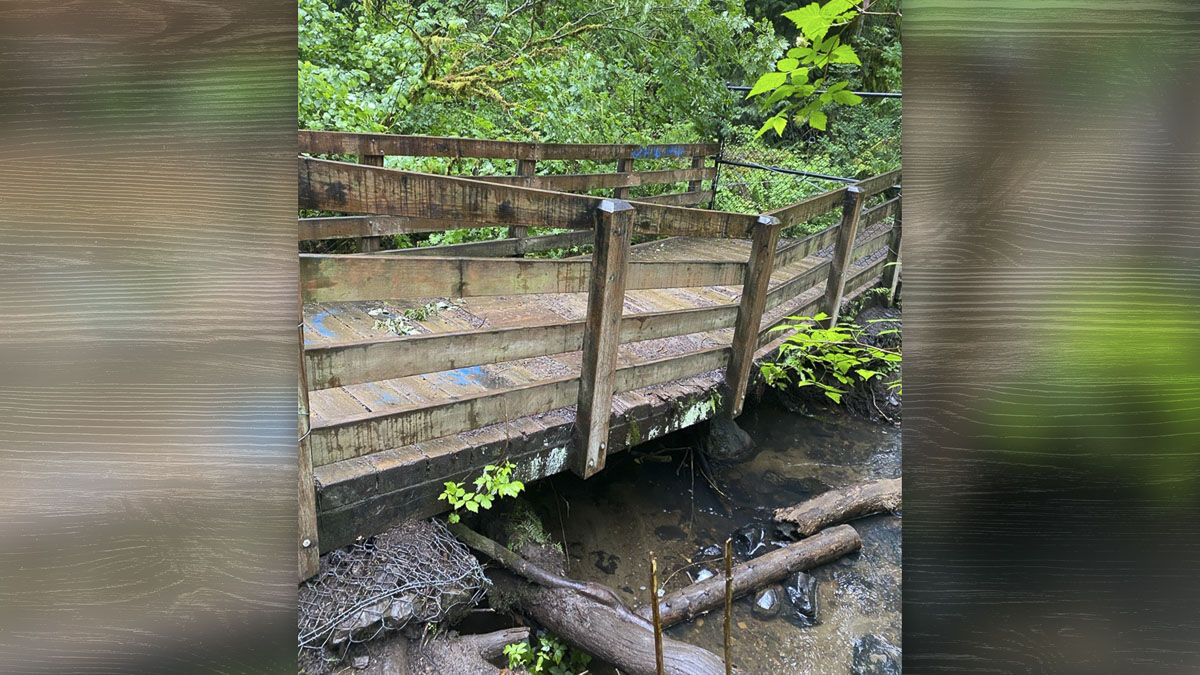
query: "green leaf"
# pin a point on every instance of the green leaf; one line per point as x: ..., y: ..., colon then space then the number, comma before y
x: 844, y: 54
x: 787, y: 65
x: 835, y: 8
x: 818, y: 120
x: 767, y: 82
x: 847, y: 98
x: 834, y: 396
x: 453, y: 517
x: 779, y: 124
x: 473, y: 507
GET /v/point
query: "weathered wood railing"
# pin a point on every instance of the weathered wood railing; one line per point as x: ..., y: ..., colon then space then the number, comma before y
x: 371, y: 149
x: 403, y: 200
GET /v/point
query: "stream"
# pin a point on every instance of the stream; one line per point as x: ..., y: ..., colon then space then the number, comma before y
x: 652, y: 499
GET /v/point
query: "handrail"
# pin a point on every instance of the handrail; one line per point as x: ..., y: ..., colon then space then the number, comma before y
x: 349, y: 143
x: 357, y: 188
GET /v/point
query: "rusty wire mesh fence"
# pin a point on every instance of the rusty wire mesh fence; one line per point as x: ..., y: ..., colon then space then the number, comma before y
x: 412, y: 574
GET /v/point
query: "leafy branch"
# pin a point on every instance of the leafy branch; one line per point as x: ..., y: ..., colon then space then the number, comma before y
x: 496, y: 481
x: 814, y: 356
x: 793, y: 79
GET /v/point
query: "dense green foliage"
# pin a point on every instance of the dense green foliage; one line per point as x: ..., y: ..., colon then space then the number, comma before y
x: 563, y: 71
x: 830, y: 359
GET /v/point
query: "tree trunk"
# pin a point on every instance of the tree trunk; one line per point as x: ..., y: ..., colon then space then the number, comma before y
x: 618, y: 638
x: 838, y: 506
x: 702, y: 596
x: 587, y: 616
x: 464, y: 654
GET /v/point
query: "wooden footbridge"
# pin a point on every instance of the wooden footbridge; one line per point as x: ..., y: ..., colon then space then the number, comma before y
x: 550, y: 364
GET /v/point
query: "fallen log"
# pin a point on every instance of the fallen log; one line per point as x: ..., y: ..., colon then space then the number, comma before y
x: 839, y: 506
x: 702, y: 596
x: 464, y: 653
x: 587, y: 616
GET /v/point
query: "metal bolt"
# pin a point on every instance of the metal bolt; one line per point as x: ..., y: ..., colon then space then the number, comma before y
x: 591, y: 462
x: 306, y: 543
x: 602, y: 446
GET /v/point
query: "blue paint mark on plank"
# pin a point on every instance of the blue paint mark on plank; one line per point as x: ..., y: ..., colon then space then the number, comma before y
x: 385, y: 396
x: 658, y: 151
x: 465, y: 377
x: 319, y: 325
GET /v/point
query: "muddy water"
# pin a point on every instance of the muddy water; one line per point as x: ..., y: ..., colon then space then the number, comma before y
x: 661, y: 504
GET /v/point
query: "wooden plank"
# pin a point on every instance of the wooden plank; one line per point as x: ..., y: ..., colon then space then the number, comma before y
x: 847, y: 230
x: 768, y: 337
x: 372, y: 360
x: 750, y: 311
x: 344, y: 278
x: 363, y: 434
x: 595, y: 181
x: 813, y: 275
x: 809, y: 208
x: 499, y: 248
x: 307, y: 546
x: 805, y: 247
x: 340, y: 186
x: 878, y: 214
x: 344, y: 143
x: 606, y: 296
x: 825, y: 202
x: 677, y: 198
x: 341, y: 227
x: 877, y: 184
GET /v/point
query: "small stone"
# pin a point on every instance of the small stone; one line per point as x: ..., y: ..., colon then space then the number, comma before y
x: 360, y: 662
x: 703, y: 574
x: 725, y: 441
x: 801, y: 592
x: 874, y: 655
x: 766, y: 605
x: 748, y: 541
x: 742, y: 625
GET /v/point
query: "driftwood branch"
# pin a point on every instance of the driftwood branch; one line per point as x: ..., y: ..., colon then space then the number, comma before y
x: 702, y: 596
x: 587, y: 616
x: 839, y: 506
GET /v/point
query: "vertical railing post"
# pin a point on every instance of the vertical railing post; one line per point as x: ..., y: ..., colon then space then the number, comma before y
x: 891, y: 272
x: 369, y: 244
x: 696, y: 185
x: 835, y: 285
x: 750, y: 311
x: 525, y: 167
x: 309, y: 552
x: 623, y: 166
x: 602, y: 332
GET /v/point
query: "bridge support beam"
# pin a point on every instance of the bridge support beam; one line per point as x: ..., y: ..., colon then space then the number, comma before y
x: 750, y: 311
x: 602, y: 333
x: 835, y: 286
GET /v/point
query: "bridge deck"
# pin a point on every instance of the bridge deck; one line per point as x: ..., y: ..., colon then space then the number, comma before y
x: 356, y: 494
